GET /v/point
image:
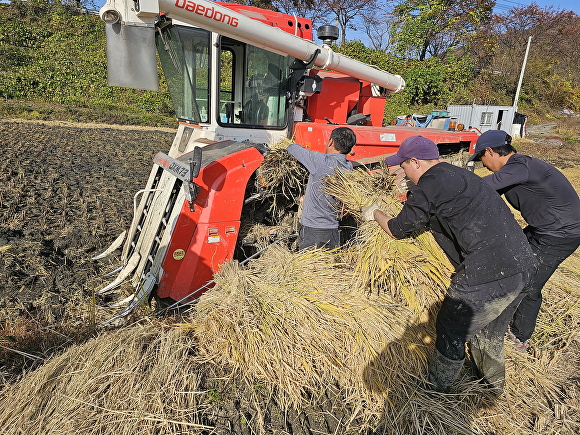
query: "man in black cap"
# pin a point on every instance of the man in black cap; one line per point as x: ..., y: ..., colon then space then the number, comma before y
x: 549, y: 205
x: 493, y: 261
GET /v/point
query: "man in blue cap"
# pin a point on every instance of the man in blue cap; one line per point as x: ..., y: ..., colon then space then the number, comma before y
x: 549, y: 205
x: 493, y: 261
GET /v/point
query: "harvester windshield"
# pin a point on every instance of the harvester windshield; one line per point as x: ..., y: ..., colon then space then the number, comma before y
x: 184, y: 55
x: 244, y: 87
x: 251, y: 85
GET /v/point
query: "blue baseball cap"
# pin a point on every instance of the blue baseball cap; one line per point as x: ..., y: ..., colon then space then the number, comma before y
x: 491, y: 139
x: 417, y: 147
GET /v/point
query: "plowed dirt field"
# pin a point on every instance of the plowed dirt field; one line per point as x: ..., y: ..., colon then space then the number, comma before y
x: 66, y: 191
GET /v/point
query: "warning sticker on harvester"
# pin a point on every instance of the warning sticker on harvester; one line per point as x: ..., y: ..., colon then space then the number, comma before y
x: 388, y: 137
x: 213, y: 239
x: 178, y: 254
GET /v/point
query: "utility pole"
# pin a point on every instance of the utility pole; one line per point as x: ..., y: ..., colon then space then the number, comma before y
x: 522, y: 75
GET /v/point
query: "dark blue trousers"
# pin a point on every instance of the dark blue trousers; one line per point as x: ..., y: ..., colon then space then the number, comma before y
x: 479, y: 314
x: 328, y: 238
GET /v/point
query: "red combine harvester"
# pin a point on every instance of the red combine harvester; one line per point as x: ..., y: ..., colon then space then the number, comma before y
x: 241, y: 79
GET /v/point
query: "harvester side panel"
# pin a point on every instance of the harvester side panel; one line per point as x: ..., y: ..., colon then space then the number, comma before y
x: 204, y: 239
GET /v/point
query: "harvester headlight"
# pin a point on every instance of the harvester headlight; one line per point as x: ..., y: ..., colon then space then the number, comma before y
x: 111, y: 16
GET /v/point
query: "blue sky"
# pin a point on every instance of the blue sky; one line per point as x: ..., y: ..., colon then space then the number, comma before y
x: 503, y: 6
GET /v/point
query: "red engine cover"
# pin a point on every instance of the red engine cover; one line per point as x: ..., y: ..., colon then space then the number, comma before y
x: 340, y: 96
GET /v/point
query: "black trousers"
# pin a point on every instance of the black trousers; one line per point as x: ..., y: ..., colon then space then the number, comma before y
x: 479, y: 314
x: 328, y: 238
x: 550, y: 252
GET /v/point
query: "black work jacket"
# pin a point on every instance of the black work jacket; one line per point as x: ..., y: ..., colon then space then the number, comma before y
x: 469, y: 220
x: 544, y: 196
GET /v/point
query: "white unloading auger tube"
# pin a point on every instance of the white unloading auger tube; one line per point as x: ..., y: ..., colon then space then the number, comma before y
x: 216, y: 18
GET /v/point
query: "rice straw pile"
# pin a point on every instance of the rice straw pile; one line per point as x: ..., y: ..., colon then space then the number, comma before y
x: 135, y: 381
x: 413, y: 270
x: 292, y: 323
x: 287, y: 337
x: 293, y: 319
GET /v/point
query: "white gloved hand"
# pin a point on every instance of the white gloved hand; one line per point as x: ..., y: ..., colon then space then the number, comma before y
x: 368, y: 212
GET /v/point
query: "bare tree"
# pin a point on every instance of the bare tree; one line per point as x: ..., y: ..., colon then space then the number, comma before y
x: 346, y: 12
x: 553, y: 66
x: 377, y: 23
x: 315, y: 10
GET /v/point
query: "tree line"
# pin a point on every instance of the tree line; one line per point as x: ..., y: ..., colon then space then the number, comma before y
x: 448, y: 52
x: 476, y: 52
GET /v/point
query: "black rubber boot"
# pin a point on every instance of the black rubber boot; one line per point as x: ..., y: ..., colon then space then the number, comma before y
x: 489, y: 360
x: 443, y: 372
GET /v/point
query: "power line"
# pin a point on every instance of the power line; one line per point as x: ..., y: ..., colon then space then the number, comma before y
x: 507, y: 7
x: 515, y: 3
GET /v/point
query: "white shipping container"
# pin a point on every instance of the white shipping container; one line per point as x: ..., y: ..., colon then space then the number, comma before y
x: 487, y: 117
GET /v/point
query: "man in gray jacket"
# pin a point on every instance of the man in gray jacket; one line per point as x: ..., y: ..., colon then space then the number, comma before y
x: 319, y: 219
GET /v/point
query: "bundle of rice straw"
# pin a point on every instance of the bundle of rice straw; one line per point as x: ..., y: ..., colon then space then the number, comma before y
x: 280, y: 180
x: 413, y: 270
x: 280, y: 174
x: 260, y: 235
x: 361, y: 187
x: 293, y: 320
x: 139, y: 380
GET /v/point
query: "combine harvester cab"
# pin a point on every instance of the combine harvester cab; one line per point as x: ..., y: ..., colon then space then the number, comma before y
x: 241, y: 80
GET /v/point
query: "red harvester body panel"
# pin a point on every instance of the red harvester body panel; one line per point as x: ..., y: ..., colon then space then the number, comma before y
x: 204, y: 239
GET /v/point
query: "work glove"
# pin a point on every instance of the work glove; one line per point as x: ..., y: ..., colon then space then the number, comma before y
x: 368, y: 212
